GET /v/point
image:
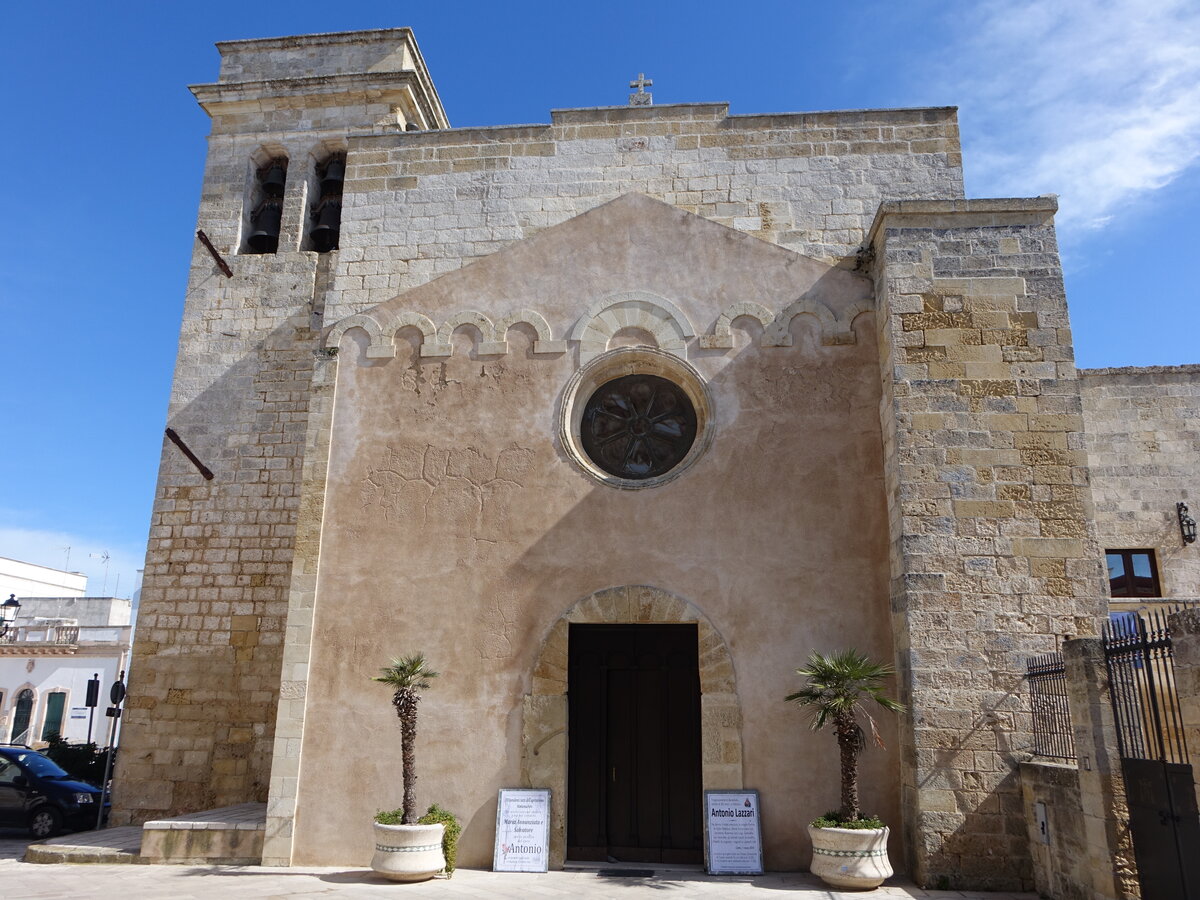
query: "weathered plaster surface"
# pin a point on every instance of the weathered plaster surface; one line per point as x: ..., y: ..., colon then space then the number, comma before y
x: 463, y: 531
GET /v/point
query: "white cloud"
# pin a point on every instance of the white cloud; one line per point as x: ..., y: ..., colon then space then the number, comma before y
x: 1095, y: 100
x: 48, y: 548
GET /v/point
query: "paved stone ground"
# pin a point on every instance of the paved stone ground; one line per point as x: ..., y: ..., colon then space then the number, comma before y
x: 28, y: 881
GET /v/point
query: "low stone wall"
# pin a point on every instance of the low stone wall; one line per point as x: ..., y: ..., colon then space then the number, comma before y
x: 232, y: 836
x: 1060, y: 858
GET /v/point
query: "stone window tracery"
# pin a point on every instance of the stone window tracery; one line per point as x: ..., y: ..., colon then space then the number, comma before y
x: 636, y: 417
x: 638, y: 426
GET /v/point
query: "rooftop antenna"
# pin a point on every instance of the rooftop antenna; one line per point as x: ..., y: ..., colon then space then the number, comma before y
x: 67, y: 566
x: 104, y: 558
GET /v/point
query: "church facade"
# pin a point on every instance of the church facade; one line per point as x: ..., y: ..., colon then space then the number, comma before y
x: 615, y: 419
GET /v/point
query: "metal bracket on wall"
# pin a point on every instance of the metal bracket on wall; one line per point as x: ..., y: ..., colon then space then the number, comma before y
x: 178, y: 442
x: 221, y: 264
x: 553, y: 734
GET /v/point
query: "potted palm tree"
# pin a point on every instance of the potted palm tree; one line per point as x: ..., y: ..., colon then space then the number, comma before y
x: 404, y: 849
x: 849, y: 849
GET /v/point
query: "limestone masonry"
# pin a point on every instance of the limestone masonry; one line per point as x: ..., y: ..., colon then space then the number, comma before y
x: 892, y: 450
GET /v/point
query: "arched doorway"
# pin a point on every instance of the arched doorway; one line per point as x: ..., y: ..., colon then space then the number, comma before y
x: 545, y: 732
x: 22, y: 713
x: 633, y: 757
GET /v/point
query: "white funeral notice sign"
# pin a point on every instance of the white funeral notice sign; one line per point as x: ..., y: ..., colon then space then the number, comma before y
x: 522, y: 831
x: 733, y: 830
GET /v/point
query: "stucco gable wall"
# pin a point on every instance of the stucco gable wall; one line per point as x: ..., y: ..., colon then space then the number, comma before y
x: 456, y: 525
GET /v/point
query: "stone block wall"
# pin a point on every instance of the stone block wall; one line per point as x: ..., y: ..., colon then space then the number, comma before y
x: 1143, y: 443
x: 205, y: 679
x: 1105, y: 814
x: 1086, y: 850
x: 993, y: 553
x: 1060, y: 858
x: 426, y: 203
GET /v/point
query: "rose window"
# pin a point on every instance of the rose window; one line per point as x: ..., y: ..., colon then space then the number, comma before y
x: 638, y: 426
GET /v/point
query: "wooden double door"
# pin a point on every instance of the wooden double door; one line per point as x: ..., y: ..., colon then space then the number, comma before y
x: 634, y: 782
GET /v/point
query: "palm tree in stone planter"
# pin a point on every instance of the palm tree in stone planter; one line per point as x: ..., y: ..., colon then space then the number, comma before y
x: 848, y: 850
x: 407, y: 676
x: 406, y: 850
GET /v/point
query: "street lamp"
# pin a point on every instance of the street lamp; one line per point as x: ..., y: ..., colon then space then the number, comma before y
x: 8, y: 613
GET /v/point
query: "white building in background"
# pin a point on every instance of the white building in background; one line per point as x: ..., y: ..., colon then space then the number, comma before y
x: 60, y: 640
x: 28, y: 580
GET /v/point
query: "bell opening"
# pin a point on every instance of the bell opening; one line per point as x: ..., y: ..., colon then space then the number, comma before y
x: 333, y: 176
x: 328, y: 218
x: 326, y: 213
x: 265, y: 223
x: 273, y: 178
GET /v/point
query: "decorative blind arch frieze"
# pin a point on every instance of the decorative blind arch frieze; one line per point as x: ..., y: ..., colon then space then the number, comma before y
x: 381, y: 346
x: 836, y: 327
x: 594, y: 330
x: 632, y: 309
x: 544, y: 343
x: 722, y: 337
x: 776, y: 334
x: 487, y: 334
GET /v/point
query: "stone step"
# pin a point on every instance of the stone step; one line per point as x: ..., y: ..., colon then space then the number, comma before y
x: 109, y: 845
x: 232, y: 835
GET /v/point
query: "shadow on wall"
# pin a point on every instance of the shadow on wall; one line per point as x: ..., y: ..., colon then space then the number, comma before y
x: 777, y: 534
x: 984, y: 847
x: 204, y: 679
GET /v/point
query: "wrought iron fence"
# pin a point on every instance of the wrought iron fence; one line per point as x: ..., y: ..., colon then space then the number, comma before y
x: 1052, y: 734
x: 1141, y: 676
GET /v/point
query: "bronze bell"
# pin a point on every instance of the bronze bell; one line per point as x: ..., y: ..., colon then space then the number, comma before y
x: 264, y: 224
x: 274, y: 179
x: 328, y: 216
x: 335, y: 174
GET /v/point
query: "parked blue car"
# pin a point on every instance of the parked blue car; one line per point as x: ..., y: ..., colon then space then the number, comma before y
x: 35, y: 793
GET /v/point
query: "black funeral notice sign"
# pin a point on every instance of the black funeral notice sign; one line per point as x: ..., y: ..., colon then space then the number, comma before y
x: 522, y: 831
x: 733, y: 833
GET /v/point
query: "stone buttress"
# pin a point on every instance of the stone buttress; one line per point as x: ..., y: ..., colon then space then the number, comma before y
x: 993, y: 551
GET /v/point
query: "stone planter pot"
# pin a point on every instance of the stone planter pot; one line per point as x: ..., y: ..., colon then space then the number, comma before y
x: 408, y: 852
x: 853, y: 858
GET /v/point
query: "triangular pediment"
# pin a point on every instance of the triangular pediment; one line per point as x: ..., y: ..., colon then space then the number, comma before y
x: 634, y: 261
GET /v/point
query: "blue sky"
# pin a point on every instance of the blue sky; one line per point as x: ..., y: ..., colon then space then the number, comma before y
x: 1096, y: 101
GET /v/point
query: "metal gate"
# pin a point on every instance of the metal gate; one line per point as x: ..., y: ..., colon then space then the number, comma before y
x: 1159, y: 789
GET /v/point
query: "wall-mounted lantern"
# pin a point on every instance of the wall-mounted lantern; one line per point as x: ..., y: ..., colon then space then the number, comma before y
x: 1187, y: 525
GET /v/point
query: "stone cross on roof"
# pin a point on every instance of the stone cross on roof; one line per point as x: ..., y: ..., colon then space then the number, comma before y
x: 642, y: 97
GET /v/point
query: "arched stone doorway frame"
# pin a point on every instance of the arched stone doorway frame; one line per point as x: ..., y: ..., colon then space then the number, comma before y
x: 544, y: 727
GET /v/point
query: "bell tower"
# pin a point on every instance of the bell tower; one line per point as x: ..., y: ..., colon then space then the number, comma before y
x: 206, y: 672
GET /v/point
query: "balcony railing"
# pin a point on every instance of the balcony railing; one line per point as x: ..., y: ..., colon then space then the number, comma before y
x: 58, y: 634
